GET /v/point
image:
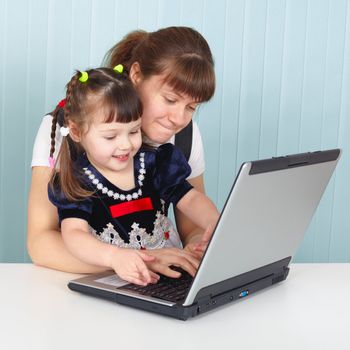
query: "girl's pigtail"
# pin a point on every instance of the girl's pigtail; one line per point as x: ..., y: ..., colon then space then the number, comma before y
x: 57, y: 118
x: 53, y: 137
x: 67, y: 175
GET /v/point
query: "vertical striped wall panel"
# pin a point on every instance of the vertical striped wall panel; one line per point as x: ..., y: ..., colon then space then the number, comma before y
x: 340, y: 225
x: 3, y: 24
x: 13, y: 135
x: 283, y: 86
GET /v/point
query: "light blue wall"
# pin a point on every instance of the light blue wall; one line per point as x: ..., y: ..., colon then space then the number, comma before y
x: 283, y: 86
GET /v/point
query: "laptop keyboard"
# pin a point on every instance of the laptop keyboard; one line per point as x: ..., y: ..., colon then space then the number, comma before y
x: 167, y: 288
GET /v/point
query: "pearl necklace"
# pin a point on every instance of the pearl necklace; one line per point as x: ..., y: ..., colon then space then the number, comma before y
x: 116, y: 195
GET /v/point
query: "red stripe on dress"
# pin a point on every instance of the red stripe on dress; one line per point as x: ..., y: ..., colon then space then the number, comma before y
x: 131, y: 207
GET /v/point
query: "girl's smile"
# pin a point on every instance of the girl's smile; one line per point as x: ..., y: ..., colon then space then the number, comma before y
x: 122, y: 158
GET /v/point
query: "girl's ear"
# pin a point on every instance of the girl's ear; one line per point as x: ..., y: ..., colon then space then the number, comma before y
x: 135, y: 74
x: 73, y: 131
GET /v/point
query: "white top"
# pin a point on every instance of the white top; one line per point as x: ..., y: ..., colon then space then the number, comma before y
x: 310, y: 310
x: 42, y: 147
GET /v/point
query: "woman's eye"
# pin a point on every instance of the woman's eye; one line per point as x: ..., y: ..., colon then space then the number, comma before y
x: 169, y: 100
x: 135, y: 132
x: 109, y: 137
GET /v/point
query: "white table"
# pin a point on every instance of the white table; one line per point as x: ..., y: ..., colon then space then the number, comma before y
x: 310, y: 310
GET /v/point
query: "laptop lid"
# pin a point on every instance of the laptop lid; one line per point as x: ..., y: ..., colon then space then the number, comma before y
x: 265, y: 216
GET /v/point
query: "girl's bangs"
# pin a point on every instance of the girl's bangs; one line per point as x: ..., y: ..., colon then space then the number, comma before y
x: 192, y: 77
x: 121, y: 107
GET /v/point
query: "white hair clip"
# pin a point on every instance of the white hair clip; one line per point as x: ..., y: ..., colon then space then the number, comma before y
x: 64, y: 131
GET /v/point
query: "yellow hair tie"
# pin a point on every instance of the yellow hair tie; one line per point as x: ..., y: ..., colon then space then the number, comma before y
x: 119, y: 68
x: 84, y: 77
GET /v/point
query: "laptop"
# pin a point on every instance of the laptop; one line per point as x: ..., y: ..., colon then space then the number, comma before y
x: 264, y: 219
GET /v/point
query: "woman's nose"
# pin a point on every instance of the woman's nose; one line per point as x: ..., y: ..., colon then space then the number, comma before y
x: 179, y: 117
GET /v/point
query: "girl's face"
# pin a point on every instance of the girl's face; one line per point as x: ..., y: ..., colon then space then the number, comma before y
x: 165, y: 112
x: 111, y: 147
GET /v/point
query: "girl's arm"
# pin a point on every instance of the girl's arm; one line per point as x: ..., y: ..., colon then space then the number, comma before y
x: 129, y: 264
x: 47, y: 248
x: 44, y: 239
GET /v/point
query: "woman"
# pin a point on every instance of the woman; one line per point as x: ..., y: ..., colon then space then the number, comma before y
x: 172, y: 70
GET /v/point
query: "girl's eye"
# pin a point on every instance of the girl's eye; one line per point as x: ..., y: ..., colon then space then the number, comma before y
x: 109, y: 137
x: 135, y: 132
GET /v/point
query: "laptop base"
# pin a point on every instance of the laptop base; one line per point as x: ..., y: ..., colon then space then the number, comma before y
x: 207, y: 299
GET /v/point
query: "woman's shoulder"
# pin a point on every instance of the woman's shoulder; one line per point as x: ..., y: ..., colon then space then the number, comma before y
x: 45, y: 126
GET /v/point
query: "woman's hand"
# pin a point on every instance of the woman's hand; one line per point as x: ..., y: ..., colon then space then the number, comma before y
x: 131, y: 266
x: 202, y: 211
x: 167, y: 257
x: 198, y: 243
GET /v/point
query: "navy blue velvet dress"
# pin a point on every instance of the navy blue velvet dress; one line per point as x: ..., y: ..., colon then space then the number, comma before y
x: 137, y: 218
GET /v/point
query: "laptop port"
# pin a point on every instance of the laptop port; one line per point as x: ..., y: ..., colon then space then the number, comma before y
x: 243, y: 294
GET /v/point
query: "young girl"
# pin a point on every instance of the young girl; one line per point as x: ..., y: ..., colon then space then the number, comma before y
x: 106, y: 185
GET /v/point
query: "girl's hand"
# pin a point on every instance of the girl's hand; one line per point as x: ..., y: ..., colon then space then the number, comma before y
x: 130, y: 265
x: 167, y: 257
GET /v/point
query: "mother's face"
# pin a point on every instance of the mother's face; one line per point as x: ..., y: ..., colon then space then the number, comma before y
x: 165, y: 112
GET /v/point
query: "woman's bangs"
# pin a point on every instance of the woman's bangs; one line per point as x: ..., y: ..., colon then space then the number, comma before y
x: 192, y: 77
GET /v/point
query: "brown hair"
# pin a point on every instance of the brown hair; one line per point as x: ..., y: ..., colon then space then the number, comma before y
x: 181, y: 53
x: 106, y: 89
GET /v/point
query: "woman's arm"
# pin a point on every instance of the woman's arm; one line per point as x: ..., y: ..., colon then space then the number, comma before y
x: 199, y: 208
x: 188, y: 231
x: 44, y: 239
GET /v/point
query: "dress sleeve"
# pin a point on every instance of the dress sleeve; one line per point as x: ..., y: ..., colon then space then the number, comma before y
x: 171, y: 171
x: 67, y: 209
